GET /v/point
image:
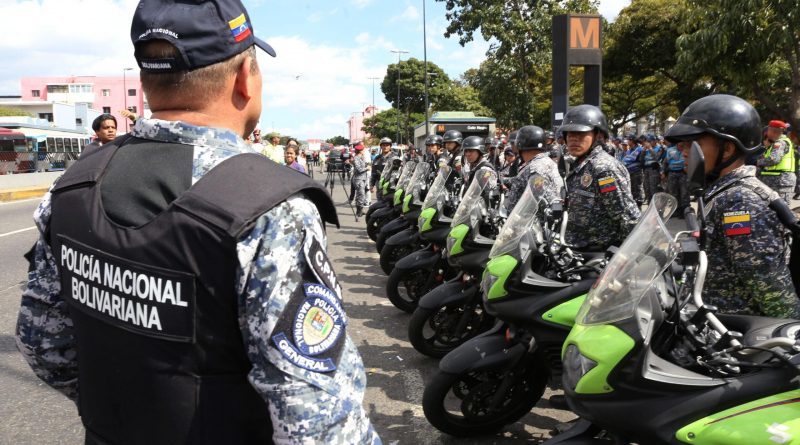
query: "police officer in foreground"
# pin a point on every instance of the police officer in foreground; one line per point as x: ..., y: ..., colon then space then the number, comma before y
x: 381, y: 162
x: 535, y: 154
x: 746, y: 243
x: 602, y: 210
x: 777, y: 166
x: 180, y: 290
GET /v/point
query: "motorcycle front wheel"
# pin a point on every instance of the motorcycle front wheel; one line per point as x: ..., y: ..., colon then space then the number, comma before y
x: 391, y: 254
x: 374, y: 225
x: 406, y: 286
x: 461, y: 404
x: 437, y: 331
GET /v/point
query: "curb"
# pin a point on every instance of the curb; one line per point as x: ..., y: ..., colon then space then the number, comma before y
x: 24, y: 193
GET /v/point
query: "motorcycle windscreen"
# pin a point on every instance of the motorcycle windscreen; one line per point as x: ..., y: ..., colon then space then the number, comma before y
x: 405, y: 175
x: 472, y: 204
x: 522, y: 231
x: 419, y: 181
x: 645, y: 254
x: 438, y: 191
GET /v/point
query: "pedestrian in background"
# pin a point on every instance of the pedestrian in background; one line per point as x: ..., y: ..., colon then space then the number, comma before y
x: 290, y: 159
x: 776, y: 168
x: 105, y: 130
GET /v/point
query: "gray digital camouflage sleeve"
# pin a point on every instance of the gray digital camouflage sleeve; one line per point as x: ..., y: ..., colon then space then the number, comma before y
x: 44, y: 332
x: 305, y: 406
x: 776, y: 154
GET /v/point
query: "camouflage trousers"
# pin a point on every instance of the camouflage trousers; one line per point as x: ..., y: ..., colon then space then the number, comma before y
x: 358, y: 191
x: 783, y: 184
x: 637, y: 187
x: 678, y: 186
x: 652, y: 182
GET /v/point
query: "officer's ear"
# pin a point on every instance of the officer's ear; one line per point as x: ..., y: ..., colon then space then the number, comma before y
x: 729, y: 151
x: 248, y: 76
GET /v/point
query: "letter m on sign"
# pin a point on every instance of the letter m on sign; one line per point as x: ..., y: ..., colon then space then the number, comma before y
x: 584, y: 33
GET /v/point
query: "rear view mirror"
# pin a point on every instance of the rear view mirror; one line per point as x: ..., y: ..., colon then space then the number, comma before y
x: 696, y: 171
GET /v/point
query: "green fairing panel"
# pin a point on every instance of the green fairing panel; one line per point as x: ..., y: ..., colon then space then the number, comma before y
x: 407, y: 203
x: 398, y: 196
x: 564, y: 313
x: 458, y: 232
x: 426, y: 216
x: 606, y: 345
x: 501, y: 267
x: 771, y: 420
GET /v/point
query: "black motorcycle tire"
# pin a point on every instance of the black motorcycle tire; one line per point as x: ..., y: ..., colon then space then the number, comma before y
x: 399, y: 277
x: 391, y: 254
x: 440, y: 385
x: 439, y: 344
x: 374, y: 226
x: 380, y: 241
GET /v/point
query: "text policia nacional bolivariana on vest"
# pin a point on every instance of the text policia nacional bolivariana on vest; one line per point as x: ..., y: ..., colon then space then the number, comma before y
x: 119, y: 292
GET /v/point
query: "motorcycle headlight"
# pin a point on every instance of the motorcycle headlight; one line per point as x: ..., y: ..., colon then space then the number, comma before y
x: 487, y: 282
x: 451, y: 241
x: 576, y: 365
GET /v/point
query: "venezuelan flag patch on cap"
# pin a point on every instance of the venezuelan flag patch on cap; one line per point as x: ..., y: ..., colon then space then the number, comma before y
x: 736, y: 223
x: 607, y: 185
x: 240, y: 28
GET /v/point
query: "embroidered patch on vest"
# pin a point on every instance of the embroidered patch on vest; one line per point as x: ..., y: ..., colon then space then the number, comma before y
x: 586, y: 179
x: 607, y: 184
x: 316, y: 329
x: 321, y: 265
x: 136, y: 297
x: 736, y: 223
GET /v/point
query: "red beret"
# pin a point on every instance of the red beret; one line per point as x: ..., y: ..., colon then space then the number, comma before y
x: 778, y: 124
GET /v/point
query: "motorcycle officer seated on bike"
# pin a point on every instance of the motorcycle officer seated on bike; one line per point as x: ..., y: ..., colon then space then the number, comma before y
x: 474, y: 155
x: 746, y: 244
x: 535, y: 154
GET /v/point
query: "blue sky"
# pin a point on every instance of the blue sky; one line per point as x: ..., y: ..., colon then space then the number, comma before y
x: 327, y: 50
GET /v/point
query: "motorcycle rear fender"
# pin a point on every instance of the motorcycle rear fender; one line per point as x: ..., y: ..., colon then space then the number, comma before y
x: 448, y: 293
x: 481, y: 353
x: 382, y: 212
x: 403, y: 238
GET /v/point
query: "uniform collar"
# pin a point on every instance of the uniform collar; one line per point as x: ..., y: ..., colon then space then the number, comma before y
x: 183, y: 133
x: 592, y: 154
x: 745, y: 171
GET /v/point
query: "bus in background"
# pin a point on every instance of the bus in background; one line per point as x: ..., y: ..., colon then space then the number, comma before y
x: 11, y: 143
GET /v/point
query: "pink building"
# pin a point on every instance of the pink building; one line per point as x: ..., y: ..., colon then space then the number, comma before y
x: 356, y: 122
x: 105, y: 94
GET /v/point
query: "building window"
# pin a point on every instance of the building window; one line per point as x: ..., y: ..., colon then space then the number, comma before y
x: 106, y: 110
x: 47, y: 116
x: 132, y: 92
x: 35, y: 93
x: 57, y: 89
x: 78, y: 121
x: 106, y: 92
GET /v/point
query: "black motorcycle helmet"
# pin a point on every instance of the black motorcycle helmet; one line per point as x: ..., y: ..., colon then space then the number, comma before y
x: 453, y: 136
x: 385, y: 141
x: 584, y: 118
x: 723, y: 116
x: 530, y: 137
x: 433, y: 139
x: 549, y: 135
x: 512, y: 138
x: 474, y: 143
x: 491, y: 142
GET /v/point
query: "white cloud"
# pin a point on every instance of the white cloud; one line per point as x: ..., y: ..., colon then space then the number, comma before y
x: 611, y: 8
x: 411, y: 13
x: 361, y: 3
x: 69, y: 38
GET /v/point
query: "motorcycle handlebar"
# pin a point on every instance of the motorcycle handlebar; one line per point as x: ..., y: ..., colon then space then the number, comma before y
x: 691, y: 220
x: 697, y: 292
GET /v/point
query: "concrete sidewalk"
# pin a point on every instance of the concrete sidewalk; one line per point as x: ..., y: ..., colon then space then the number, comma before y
x: 26, y: 185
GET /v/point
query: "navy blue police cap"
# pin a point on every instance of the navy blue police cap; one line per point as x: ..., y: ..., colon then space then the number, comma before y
x: 204, y: 32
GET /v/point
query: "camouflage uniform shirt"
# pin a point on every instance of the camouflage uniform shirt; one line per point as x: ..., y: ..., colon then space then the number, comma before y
x: 601, y: 209
x: 541, y: 165
x: 305, y: 406
x: 747, y: 249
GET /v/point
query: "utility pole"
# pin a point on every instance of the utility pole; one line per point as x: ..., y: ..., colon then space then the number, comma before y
x: 399, y: 53
x: 373, y: 79
x: 425, y: 55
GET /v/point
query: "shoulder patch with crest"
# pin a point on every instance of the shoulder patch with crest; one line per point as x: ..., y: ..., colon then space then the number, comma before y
x: 586, y: 179
x: 607, y: 184
x: 736, y: 223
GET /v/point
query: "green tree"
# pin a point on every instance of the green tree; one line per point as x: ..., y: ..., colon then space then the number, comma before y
x: 755, y: 44
x: 384, y: 124
x: 459, y: 95
x: 412, y: 84
x: 338, y: 140
x: 10, y: 111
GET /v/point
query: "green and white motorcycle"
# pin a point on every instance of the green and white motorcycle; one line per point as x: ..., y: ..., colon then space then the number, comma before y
x: 648, y: 362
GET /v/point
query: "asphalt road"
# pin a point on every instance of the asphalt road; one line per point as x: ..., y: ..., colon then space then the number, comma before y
x: 32, y: 413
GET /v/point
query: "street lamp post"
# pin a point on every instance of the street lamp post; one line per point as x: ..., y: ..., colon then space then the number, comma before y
x: 125, y: 93
x: 399, y: 53
x: 373, y: 79
x: 425, y: 55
